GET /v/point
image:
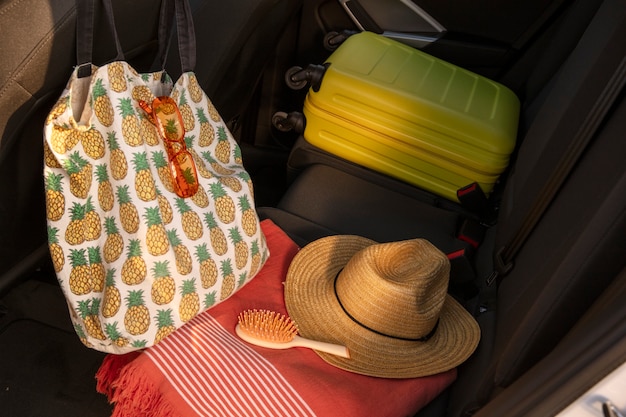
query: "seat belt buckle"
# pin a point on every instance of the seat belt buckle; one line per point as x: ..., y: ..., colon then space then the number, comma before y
x: 473, y: 198
x: 501, y: 267
x: 461, y: 265
x: 472, y: 232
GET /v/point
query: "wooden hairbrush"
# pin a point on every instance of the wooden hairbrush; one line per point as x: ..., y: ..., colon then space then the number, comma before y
x: 276, y: 331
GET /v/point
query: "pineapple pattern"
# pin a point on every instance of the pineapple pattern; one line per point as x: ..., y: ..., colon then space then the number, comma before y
x: 165, y: 324
x: 195, y: 92
x: 114, y: 334
x: 63, y: 138
x: 55, y: 200
x: 136, y: 261
x: 200, y: 165
x: 114, y: 242
x: 241, y: 249
x: 96, y: 268
x: 228, y: 283
x: 56, y: 250
x: 200, y: 198
x: 186, y: 112
x: 163, y: 170
x: 82, y: 336
x: 192, y: 226
x: 117, y: 78
x: 105, y: 190
x: 190, y: 302
x: 102, y: 104
x: 88, y: 311
x: 156, y: 237
x: 49, y: 159
x: 134, y: 269
x: 128, y: 211
x: 93, y: 143
x: 91, y: 222
x: 208, y: 268
x: 75, y: 232
x: 184, y: 263
x: 256, y: 258
x: 79, y: 170
x: 216, y: 234
x: 112, y: 296
x: 223, y: 147
x: 224, y: 205
x: 137, y: 316
x: 144, y: 182
x: 143, y: 92
x: 148, y: 131
x: 119, y: 165
x: 248, y: 216
x: 80, y: 276
x: 163, y: 285
x: 131, y: 126
x: 167, y: 213
x: 207, y: 134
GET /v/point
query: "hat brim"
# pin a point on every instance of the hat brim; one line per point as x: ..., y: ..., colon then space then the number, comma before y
x: 311, y: 302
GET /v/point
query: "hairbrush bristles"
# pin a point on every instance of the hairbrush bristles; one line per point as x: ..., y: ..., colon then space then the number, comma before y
x: 268, y: 325
x: 273, y: 330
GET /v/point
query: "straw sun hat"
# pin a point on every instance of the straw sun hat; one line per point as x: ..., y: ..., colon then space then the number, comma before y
x: 387, y: 303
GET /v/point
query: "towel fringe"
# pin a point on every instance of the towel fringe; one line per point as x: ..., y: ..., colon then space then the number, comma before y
x: 134, y: 395
x: 110, y: 370
x: 129, y: 389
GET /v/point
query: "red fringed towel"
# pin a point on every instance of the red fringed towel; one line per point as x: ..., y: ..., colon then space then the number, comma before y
x: 204, y: 369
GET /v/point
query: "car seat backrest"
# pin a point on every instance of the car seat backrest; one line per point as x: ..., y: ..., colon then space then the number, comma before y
x: 234, y: 41
x: 587, y: 354
x: 578, y: 244
x: 39, y: 42
x: 569, y: 258
x: 567, y: 99
x: 539, y: 62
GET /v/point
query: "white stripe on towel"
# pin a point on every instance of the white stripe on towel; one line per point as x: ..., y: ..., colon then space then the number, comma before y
x: 218, y: 375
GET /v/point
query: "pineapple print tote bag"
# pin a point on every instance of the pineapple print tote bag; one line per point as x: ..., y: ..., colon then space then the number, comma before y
x: 151, y: 215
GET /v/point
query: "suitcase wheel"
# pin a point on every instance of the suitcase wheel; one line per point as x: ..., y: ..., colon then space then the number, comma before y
x: 297, y: 77
x: 287, y: 122
x: 333, y: 39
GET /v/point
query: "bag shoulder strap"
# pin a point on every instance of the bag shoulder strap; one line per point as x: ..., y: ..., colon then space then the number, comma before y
x: 170, y: 9
x: 85, y: 28
x: 186, y: 35
x: 177, y: 11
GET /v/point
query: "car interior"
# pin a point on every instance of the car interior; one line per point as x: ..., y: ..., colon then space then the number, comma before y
x: 542, y: 258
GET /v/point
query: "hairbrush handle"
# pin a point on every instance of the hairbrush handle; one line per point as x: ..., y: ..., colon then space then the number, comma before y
x: 331, y: 348
x: 297, y: 341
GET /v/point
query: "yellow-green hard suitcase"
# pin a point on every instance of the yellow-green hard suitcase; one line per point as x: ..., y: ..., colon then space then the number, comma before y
x: 402, y: 112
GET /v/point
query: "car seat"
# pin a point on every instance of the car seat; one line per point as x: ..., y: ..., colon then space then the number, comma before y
x: 42, y: 358
x: 234, y: 42
x: 573, y: 253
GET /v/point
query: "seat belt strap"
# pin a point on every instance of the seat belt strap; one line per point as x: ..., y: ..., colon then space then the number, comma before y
x: 505, y: 255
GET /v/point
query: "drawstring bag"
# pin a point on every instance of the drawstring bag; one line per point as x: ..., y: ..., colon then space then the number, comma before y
x: 150, y: 212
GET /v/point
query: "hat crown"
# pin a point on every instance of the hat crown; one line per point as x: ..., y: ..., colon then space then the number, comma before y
x: 396, y: 289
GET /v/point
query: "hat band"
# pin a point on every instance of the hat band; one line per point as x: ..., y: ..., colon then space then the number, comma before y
x: 420, y: 339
